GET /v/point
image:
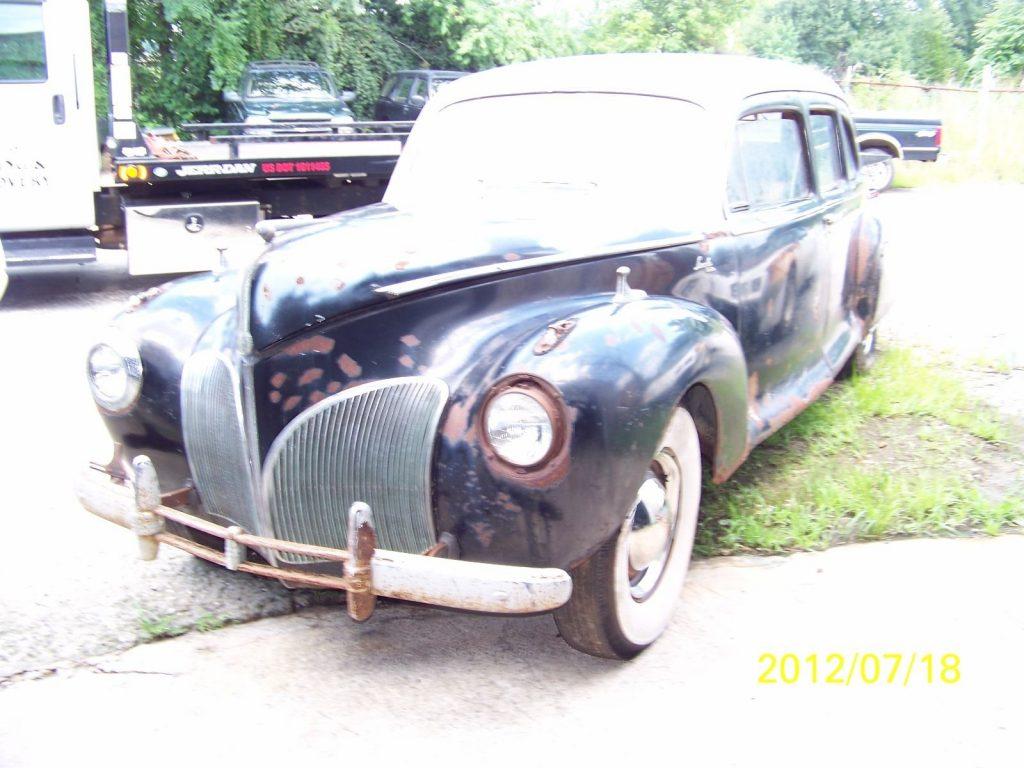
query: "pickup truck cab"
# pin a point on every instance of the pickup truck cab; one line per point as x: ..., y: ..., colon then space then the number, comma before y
x: 884, y: 137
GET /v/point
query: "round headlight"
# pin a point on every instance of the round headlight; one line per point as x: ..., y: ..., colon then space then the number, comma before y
x: 114, y: 369
x: 519, y: 428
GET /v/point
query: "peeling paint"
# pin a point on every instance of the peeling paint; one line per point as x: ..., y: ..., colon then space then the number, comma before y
x: 409, y: 340
x: 321, y: 345
x: 291, y: 403
x: 316, y: 396
x: 349, y: 366
x: 456, y: 426
x: 278, y: 380
x: 311, y: 375
x: 334, y: 387
x: 275, y: 397
x: 406, y: 361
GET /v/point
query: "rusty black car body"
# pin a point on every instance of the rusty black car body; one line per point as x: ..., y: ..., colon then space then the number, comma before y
x: 709, y: 279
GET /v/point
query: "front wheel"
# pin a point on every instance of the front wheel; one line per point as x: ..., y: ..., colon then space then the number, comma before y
x: 624, y: 595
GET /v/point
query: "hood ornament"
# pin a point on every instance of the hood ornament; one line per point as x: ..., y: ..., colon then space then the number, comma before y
x: 623, y: 293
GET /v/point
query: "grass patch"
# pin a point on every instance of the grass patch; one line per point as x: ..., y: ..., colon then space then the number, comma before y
x: 153, y: 628
x: 903, y: 451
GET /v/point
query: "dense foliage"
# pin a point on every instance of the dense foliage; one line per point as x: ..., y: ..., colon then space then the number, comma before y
x: 185, y: 52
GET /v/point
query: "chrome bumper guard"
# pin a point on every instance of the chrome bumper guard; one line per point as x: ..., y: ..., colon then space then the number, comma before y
x: 368, y: 572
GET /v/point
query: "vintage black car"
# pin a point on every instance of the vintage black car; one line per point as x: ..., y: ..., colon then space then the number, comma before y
x: 497, y: 389
x: 289, y: 92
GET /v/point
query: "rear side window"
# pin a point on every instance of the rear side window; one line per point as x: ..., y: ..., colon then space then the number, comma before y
x: 769, y: 165
x: 388, y: 86
x: 825, y: 146
x: 22, y: 45
x: 417, y: 88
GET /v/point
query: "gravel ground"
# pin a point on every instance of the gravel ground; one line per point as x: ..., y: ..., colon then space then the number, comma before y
x: 72, y: 587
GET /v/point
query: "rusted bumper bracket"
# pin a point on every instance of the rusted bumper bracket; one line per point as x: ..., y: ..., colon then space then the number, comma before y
x: 368, y: 572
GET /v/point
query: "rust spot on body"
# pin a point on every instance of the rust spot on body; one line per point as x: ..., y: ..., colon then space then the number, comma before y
x: 409, y: 340
x: 554, y: 335
x: 300, y: 280
x: 316, y: 396
x: 278, y: 379
x: 406, y: 361
x: 401, y: 265
x: 266, y: 292
x: 511, y: 257
x: 321, y: 345
x: 275, y: 397
x: 456, y: 426
x: 349, y: 366
x: 292, y: 403
x: 311, y: 375
x: 334, y: 387
x: 483, y: 531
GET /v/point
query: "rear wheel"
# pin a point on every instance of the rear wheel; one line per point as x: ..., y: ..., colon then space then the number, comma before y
x: 625, y: 594
x: 880, y: 175
x: 863, y: 357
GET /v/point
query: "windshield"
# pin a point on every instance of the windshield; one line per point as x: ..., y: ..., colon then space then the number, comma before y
x: 290, y: 83
x: 535, y: 155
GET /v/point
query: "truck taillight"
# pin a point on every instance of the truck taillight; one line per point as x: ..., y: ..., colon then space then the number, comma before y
x: 938, y: 136
x: 128, y: 173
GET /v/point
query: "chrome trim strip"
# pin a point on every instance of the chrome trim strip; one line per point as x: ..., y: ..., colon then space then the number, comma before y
x: 419, y: 284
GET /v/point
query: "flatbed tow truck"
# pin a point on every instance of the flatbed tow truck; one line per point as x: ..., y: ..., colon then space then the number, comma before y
x: 174, y: 205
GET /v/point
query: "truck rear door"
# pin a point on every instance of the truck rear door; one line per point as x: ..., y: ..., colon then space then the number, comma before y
x: 49, y: 164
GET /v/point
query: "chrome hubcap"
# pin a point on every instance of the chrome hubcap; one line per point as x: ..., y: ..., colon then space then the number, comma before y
x: 652, y: 525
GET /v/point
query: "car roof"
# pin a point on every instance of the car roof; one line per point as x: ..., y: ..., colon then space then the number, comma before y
x: 431, y: 72
x: 708, y: 80
x: 282, y: 64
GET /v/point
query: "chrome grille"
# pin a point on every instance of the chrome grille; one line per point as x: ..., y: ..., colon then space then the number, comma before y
x: 372, y: 443
x: 214, y: 443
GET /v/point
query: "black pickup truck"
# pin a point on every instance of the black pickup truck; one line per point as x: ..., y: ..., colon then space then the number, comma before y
x: 887, y: 136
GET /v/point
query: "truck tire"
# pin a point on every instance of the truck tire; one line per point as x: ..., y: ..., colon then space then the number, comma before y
x: 624, y: 595
x: 879, y: 175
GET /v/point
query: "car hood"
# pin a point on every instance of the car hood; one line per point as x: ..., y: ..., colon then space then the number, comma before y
x: 347, y: 262
x: 290, y: 106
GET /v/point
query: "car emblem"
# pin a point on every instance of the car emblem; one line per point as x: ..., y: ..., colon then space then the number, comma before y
x: 194, y: 223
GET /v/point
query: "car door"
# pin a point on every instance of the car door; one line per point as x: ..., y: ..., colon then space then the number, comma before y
x: 49, y: 161
x: 774, y: 217
x: 836, y: 180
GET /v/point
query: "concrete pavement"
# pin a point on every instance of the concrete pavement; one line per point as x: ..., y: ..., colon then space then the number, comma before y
x: 423, y: 685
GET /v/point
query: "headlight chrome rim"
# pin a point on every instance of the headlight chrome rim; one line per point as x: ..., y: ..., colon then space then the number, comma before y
x: 550, y: 400
x: 127, y: 351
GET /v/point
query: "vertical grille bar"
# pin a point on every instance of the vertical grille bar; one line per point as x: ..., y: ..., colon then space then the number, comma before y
x: 214, y: 441
x: 372, y: 443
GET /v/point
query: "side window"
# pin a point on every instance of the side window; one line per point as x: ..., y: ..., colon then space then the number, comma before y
x: 388, y: 86
x: 401, y: 92
x: 825, y: 146
x: 22, y: 46
x: 417, y: 88
x: 850, y: 149
x: 769, y: 165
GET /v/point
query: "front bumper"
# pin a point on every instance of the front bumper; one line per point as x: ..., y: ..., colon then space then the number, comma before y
x: 368, y: 572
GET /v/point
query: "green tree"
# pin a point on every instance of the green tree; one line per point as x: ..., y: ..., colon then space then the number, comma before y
x: 1000, y: 37
x: 964, y: 15
x: 933, y: 56
x: 665, y: 25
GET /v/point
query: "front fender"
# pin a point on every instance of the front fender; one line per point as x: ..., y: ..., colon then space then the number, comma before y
x: 620, y: 369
